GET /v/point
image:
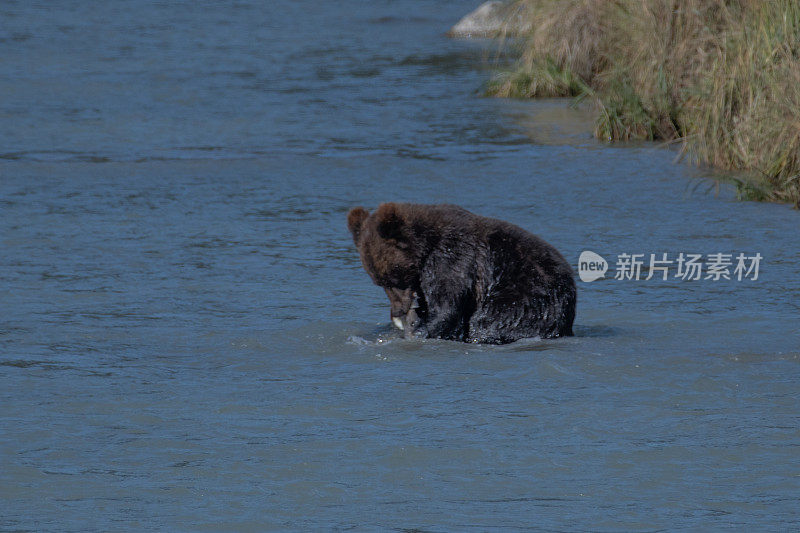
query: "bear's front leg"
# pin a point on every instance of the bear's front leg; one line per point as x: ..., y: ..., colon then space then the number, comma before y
x: 448, y: 310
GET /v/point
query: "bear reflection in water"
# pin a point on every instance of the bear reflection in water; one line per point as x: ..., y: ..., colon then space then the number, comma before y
x: 451, y: 274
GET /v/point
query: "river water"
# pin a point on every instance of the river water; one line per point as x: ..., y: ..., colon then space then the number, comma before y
x: 188, y: 340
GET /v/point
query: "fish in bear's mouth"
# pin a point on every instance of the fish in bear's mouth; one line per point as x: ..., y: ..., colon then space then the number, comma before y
x: 411, y: 318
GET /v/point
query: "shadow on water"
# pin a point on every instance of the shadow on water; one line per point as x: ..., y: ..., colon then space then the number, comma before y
x: 447, y: 63
x: 596, y: 331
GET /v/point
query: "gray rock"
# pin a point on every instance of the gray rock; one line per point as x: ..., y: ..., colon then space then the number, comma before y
x: 489, y: 20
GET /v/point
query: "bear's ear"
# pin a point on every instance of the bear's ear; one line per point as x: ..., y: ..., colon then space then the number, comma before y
x: 355, y: 219
x: 390, y: 222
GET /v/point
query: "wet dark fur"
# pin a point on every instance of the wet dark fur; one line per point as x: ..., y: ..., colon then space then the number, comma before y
x: 454, y: 275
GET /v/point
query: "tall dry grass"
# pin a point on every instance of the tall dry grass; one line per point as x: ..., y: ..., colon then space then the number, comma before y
x: 722, y: 76
x: 552, y: 64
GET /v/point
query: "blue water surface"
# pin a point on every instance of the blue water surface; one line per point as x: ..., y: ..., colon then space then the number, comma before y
x: 188, y: 340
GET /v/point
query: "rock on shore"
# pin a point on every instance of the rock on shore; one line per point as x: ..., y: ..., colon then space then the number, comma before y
x: 489, y: 20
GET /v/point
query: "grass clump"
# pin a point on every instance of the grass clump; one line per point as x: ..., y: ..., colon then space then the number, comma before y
x: 551, y: 64
x: 721, y: 76
x: 541, y: 79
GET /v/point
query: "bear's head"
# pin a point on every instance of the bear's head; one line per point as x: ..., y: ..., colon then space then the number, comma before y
x: 388, y: 251
x: 386, y: 246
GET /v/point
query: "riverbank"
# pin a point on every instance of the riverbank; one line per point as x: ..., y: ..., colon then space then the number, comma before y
x: 720, y: 77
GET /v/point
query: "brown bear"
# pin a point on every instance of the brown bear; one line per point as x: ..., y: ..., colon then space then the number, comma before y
x: 451, y: 274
